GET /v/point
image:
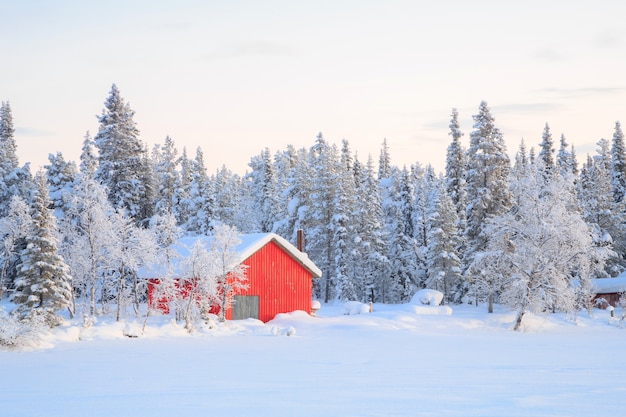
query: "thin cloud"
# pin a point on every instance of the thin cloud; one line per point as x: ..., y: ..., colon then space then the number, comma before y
x: 251, y: 49
x: 582, y: 92
x: 29, y: 131
x: 525, y: 107
x: 609, y: 39
x: 548, y: 54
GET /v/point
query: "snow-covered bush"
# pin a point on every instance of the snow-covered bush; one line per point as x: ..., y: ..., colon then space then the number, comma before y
x: 427, y: 297
x: 355, y: 307
x: 18, y: 334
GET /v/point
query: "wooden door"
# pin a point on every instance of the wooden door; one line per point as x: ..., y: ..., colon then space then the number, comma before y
x: 245, y: 307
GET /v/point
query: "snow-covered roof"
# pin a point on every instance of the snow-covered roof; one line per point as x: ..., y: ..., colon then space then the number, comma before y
x: 250, y: 243
x: 610, y: 285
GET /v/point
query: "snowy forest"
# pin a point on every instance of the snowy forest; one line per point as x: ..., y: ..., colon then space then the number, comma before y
x: 529, y: 232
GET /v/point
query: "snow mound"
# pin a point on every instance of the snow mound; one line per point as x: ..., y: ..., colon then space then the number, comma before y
x: 427, y: 297
x: 430, y: 310
x: 355, y: 307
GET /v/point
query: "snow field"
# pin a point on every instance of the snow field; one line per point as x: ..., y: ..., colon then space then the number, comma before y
x: 390, y: 362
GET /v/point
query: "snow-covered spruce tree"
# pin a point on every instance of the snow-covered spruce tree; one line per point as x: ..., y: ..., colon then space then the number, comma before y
x: 442, y: 259
x: 290, y: 165
x: 230, y: 273
x: 88, y: 157
x: 181, y: 201
x: 402, y: 248
x: 234, y: 201
x: 520, y: 167
x: 87, y: 235
x: 7, y: 140
x: 455, y: 171
x: 43, y: 283
x: 425, y: 184
x: 599, y: 209
x: 61, y: 175
x: 618, y: 164
x: 535, y: 250
x: 201, y: 204
x: 342, y: 225
x: 488, y: 194
x: 8, y: 156
x: 14, y: 180
x: 566, y: 159
x: 13, y: 231
x: 370, y: 254
x: 123, y: 163
x: 546, y: 152
x: 384, y: 162
x: 319, y: 214
x: 165, y: 161
x: 265, y: 184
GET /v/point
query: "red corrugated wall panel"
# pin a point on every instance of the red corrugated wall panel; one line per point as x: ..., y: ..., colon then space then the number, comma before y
x: 281, y: 283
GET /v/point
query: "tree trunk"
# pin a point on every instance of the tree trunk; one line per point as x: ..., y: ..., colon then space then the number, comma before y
x: 518, y: 320
x: 120, y: 291
x: 490, y: 309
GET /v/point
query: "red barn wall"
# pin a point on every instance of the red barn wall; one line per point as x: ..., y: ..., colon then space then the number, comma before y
x: 282, y: 284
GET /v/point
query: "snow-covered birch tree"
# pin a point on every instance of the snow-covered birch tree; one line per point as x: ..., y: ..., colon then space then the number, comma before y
x: 538, y: 248
x: 230, y: 273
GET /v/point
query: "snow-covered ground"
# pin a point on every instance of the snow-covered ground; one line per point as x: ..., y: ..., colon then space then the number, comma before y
x: 394, y: 361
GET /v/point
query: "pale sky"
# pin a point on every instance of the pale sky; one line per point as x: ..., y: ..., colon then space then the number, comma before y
x: 234, y: 77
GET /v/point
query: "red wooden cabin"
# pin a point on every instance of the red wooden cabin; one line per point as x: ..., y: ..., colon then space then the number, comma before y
x: 279, y: 277
x: 608, y: 291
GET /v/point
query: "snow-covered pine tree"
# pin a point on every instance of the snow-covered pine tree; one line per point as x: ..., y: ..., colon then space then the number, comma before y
x: 14, y: 180
x: 487, y: 173
x: 564, y: 158
x: 8, y: 148
x: 384, y: 162
x: 455, y: 171
x: 342, y: 226
x: 123, y: 162
x: 404, y: 269
x: 181, y: 205
x: 88, y: 157
x: 546, y: 152
x: 319, y: 215
x: 265, y: 183
x: 604, y: 216
x: 13, y: 230
x: 43, y: 283
x: 165, y: 161
x: 235, y: 203
x: 201, y: 207
x: 424, y: 183
x: 61, y: 175
x: 288, y: 163
x: 442, y: 259
x: 618, y: 164
x: 521, y: 160
x: 370, y: 255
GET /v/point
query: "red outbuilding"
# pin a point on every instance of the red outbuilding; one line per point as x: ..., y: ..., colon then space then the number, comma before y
x: 279, y: 277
